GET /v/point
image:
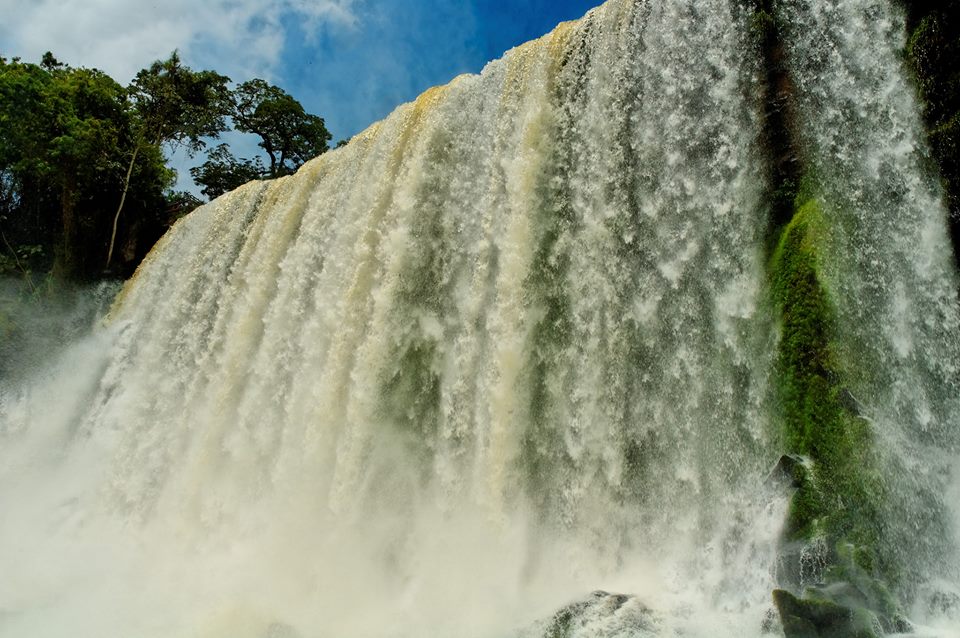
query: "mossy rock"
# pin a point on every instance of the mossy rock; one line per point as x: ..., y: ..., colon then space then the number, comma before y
x: 840, y: 492
x: 821, y: 618
x: 790, y: 471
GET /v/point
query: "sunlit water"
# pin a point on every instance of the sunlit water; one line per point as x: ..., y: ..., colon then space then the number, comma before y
x: 511, y: 345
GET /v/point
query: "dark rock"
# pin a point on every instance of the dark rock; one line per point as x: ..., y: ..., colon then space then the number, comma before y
x: 802, y: 563
x: 939, y: 603
x: 789, y: 471
x: 771, y: 623
x: 899, y: 625
x: 817, y: 618
x: 795, y: 627
x: 586, y: 617
x: 868, y: 596
x: 849, y: 402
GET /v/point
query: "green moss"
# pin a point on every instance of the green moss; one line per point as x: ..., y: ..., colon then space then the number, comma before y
x: 804, y: 357
x: 813, y: 617
x: 841, y: 500
x: 762, y: 25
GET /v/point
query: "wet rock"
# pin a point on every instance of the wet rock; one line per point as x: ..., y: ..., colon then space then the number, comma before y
x: 936, y: 601
x: 850, y: 402
x: 790, y: 471
x: 821, y: 618
x: 944, y: 603
x: 599, y: 615
x: 771, y: 623
x: 796, y: 627
x: 803, y: 563
x: 865, y: 594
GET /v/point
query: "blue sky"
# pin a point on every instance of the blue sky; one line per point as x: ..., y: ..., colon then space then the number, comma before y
x: 349, y: 61
x: 356, y: 76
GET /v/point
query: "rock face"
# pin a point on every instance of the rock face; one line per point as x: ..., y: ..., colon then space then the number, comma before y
x: 839, y: 611
x: 810, y: 618
x: 599, y: 615
x: 790, y: 471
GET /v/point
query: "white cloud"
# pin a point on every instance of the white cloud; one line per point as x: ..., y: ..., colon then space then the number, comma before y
x: 240, y: 38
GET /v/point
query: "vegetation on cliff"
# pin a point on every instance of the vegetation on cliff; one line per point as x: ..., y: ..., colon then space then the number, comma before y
x: 85, y: 189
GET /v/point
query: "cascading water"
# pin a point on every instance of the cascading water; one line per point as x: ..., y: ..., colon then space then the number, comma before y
x: 886, y: 258
x: 512, y: 344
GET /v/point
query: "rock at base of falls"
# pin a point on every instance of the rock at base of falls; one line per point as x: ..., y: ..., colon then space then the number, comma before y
x: 943, y: 604
x: 834, y: 612
x: 599, y: 615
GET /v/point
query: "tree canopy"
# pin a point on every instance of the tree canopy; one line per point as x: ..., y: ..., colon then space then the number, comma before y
x: 222, y: 172
x: 63, y: 136
x: 85, y: 189
x: 289, y: 135
x: 174, y: 104
x: 171, y: 104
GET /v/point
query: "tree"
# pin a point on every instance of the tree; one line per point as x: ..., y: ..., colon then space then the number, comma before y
x: 24, y: 132
x: 82, y: 166
x: 88, y: 109
x: 289, y: 135
x: 60, y: 129
x: 172, y: 104
x: 223, y: 172
x: 63, y: 135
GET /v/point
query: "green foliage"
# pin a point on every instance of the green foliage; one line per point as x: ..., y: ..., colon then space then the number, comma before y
x: 175, y: 105
x: 13, y: 260
x: 289, y: 135
x: 171, y: 105
x: 223, y: 172
x: 63, y: 134
x: 83, y: 174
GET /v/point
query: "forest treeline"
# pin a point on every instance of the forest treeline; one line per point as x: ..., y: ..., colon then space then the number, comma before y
x: 85, y: 186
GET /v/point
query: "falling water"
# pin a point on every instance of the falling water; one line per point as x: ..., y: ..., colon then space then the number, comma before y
x: 510, y: 345
x: 887, y: 261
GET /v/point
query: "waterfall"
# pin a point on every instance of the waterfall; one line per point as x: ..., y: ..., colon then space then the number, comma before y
x: 886, y: 257
x: 510, y: 345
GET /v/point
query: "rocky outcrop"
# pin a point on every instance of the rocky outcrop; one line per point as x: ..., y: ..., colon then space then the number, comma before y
x: 840, y: 610
x: 599, y: 615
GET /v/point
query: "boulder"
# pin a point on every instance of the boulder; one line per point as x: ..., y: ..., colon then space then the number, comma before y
x: 790, y: 471
x: 599, y: 615
x: 822, y: 618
